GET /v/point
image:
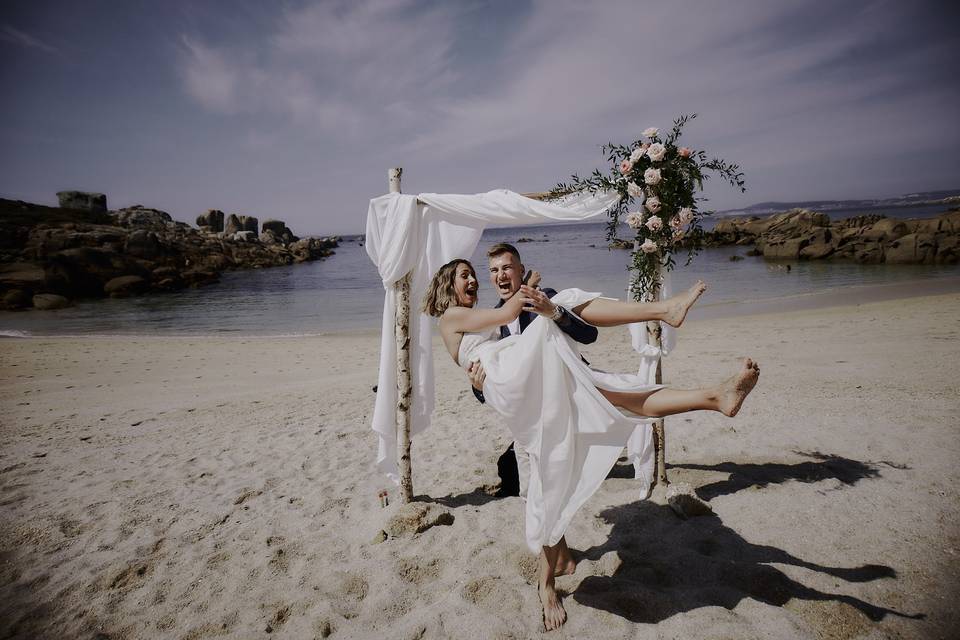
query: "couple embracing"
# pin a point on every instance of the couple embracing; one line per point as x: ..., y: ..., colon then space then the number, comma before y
x: 569, y: 422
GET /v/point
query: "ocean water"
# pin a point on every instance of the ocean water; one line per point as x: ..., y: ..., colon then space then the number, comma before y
x: 344, y: 292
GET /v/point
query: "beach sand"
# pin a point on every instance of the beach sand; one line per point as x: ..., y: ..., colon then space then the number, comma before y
x: 223, y: 487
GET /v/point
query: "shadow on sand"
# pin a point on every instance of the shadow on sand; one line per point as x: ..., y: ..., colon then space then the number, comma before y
x: 745, y: 475
x: 671, y: 566
x: 476, y: 498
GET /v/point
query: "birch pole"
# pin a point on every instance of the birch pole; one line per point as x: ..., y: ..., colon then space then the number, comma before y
x: 404, y: 387
x: 655, y: 339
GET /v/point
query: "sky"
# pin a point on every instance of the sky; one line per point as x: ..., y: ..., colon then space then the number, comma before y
x: 296, y: 110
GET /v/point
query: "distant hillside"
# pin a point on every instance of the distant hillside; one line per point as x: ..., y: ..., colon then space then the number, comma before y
x: 907, y: 200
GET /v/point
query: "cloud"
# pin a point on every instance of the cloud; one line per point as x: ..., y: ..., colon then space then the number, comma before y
x: 15, y: 36
x: 332, y: 67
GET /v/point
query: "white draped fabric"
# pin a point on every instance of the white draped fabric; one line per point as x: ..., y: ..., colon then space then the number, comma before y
x: 417, y: 235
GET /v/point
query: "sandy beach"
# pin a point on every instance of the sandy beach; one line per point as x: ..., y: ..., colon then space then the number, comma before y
x: 223, y: 487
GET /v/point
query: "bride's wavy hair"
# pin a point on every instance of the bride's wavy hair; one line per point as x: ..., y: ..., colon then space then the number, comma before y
x: 441, y: 293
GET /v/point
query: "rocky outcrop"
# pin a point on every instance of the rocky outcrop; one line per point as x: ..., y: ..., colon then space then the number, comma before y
x: 82, y: 200
x: 211, y: 221
x: 75, y: 254
x: 275, y: 231
x: 809, y: 235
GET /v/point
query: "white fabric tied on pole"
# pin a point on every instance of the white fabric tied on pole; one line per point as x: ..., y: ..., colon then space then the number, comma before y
x: 406, y: 237
x: 640, y: 445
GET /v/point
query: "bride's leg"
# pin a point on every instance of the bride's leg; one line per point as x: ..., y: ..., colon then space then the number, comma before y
x: 602, y: 312
x: 553, y: 613
x: 726, y: 397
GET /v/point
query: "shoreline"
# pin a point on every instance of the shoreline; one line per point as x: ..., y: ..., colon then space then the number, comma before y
x: 853, y: 295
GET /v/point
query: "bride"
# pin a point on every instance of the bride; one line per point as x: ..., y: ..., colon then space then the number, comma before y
x: 573, y: 421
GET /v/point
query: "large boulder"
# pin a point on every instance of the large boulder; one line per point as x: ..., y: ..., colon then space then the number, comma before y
x: 280, y: 231
x: 250, y: 223
x: 885, y: 229
x: 143, y: 244
x: 211, y: 221
x: 22, y: 275
x: 232, y: 225
x: 83, y: 200
x: 915, y: 248
x: 15, y: 299
x: 783, y: 249
x: 948, y: 248
x: 312, y: 248
x: 50, y: 301
x: 819, y: 244
x: 142, y: 217
x: 124, y: 286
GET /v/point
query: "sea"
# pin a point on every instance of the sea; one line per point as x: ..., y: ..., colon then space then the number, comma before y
x: 344, y: 292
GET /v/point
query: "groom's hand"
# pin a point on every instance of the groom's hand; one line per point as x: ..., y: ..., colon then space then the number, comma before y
x: 539, y: 302
x: 477, y: 375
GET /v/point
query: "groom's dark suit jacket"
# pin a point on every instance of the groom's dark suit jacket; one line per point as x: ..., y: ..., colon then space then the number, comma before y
x: 575, y: 328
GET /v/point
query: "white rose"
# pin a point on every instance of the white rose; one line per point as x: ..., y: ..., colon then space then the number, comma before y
x: 685, y: 215
x: 656, y: 152
x: 637, y: 154
x: 676, y: 222
x: 650, y: 132
x: 648, y: 246
x: 654, y: 223
x: 653, y: 204
x: 651, y: 176
x: 634, y: 219
x: 635, y: 190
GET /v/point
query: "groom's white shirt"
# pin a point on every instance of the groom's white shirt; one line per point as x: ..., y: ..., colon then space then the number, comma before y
x: 514, y: 326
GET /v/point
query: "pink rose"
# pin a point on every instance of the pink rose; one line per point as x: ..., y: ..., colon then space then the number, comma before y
x: 676, y: 223
x: 652, y: 204
x: 634, y: 219
x: 654, y: 224
x: 625, y: 167
x: 656, y: 152
x: 648, y: 246
x: 685, y: 215
x: 684, y: 152
x: 634, y: 190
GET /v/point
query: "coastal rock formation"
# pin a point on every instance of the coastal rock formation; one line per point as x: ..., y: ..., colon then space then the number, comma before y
x: 801, y: 234
x: 82, y: 200
x: 278, y: 232
x: 75, y: 253
x: 211, y: 221
x: 50, y: 301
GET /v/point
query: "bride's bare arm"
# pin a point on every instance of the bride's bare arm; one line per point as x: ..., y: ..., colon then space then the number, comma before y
x: 462, y: 319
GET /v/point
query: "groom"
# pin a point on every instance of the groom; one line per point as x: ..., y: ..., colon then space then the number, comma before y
x: 506, y: 275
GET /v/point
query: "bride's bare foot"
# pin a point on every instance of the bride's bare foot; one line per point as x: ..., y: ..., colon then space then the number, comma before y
x: 735, y: 390
x: 565, y: 567
x: 678, y: 305
x: 553, y: 613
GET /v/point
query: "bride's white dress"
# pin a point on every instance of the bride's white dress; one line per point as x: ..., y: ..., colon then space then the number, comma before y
x: 548, y: 398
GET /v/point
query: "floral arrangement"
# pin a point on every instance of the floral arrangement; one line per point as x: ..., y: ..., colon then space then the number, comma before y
x: 659, y: 180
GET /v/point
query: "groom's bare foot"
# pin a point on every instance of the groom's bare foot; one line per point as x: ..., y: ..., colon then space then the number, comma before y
x: 566, y: 565
x: 735, y: 390
x: 678, y: 305
x: 553, y: 613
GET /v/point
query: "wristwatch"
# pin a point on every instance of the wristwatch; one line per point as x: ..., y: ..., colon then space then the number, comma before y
x: 558, y: 313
